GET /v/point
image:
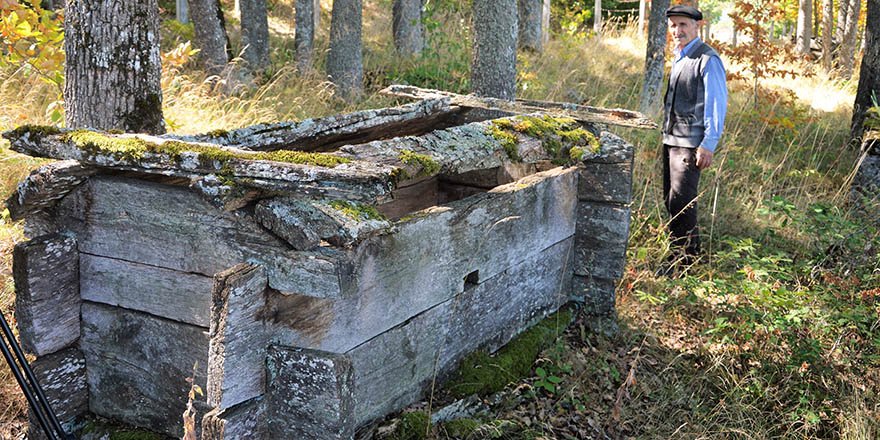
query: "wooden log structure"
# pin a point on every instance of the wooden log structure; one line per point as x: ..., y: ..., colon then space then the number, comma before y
x: 310, y: 276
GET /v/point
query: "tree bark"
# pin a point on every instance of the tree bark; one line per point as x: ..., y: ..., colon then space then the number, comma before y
x: 493, y: 70
x: 531, y: 25
x: 345, y: 60
x: 842, y: 12
x: 182, y: 11
x: 642, y: 6
x: 804, y: 27
x: 304, y: 38
x: 254, y: 33
x: 409, y: 33
x: 112, y: 65
x: 850, y: 33
x: 869, y: 74
x: 597, y: 17
x: 827, y: 29
x: 210, y: 35
x: 655, y: 59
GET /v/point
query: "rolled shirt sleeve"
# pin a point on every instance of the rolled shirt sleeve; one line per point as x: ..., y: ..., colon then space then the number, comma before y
x: 715, y: 110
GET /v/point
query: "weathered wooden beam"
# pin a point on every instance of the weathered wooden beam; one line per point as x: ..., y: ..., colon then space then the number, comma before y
x: 45, y: 186
x: 322, y: 175
x: 138, y: 365
x: 305, y: 223
x: 62, y: 375
x: 245, y: 420
x: 171, y: 294
x: 582, y: 113
x: 47, y: 300
x: 309, y: 395
x: 171, y: 227
x: 237, y: 353
x: 328, y: 133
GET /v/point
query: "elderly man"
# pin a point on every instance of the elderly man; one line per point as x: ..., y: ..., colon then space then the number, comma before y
x: 695, y: 106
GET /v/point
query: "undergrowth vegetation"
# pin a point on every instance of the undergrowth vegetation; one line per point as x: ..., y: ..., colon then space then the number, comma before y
x: 774, y: 334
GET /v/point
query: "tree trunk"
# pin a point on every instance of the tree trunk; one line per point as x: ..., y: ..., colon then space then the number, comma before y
x: 848, y: 45
x: 655, y: 59
x: 642, y: 18
x: 304, y: 38
x: 254, y: 33
x: 409, y: 33
x: 345, y: 61
x: 597, y: 17
x: 531, y: 25
x: 708, y: 31
x: 842, y: 12
x: 804, y: 27
x: 210, y: 35
x: 112, y: 65
x: 869, y: 74
x: 827, y: 29
x: 181, y: 11
x: 545, y: 23
x: 493, y: 70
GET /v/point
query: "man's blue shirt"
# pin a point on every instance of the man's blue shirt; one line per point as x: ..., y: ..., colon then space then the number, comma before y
x: 715, y: 85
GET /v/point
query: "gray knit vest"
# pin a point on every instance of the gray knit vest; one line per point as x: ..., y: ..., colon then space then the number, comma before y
x: 685, y: 95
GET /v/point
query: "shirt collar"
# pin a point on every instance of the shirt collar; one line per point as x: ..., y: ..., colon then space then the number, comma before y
x: 679, y: 54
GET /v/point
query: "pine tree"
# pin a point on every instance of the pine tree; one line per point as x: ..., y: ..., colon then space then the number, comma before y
x: 345, y: 60
x: 493, y: 69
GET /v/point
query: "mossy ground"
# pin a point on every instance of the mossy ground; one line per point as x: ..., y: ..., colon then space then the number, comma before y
x: 483, y: 373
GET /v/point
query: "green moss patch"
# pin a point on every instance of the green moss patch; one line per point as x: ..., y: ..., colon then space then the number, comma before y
x: 412, y: 426
x: 36, y: 130
x: 461, y: 428
x: 131, y: 148
x: 357, y: 211
x: 428, y: 165
x: 558, y: 136
x: 498, y: 130
x: 483, y: 374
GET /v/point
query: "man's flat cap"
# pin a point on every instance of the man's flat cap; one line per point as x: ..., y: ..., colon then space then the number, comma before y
x: 684, y: 11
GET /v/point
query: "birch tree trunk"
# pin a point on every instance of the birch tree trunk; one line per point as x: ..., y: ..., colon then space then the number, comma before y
x: 597, y: 17
x: 345, y: 61
x: 869, y: 73
x: 112, y: 67
x: 531, y: 24
x: 409, y: 33
x: 827, y: 29
x: 493, y: 70
x: 804, y: 27
x: 254, y: 33
x: 304, y: 38
x: 842, y: 12
x: 655, y: 59
x: 210, y: 35
x: 848, y: 44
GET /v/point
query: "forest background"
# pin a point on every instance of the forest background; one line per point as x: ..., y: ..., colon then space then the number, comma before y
x: 776, y: 334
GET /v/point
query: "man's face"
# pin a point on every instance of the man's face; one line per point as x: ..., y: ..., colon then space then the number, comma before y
x: 683, y: 30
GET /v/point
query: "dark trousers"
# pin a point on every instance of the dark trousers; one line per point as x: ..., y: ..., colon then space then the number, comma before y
x: 680, y: 180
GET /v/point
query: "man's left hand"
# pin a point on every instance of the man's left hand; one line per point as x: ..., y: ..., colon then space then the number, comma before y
x: 704, y: 158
